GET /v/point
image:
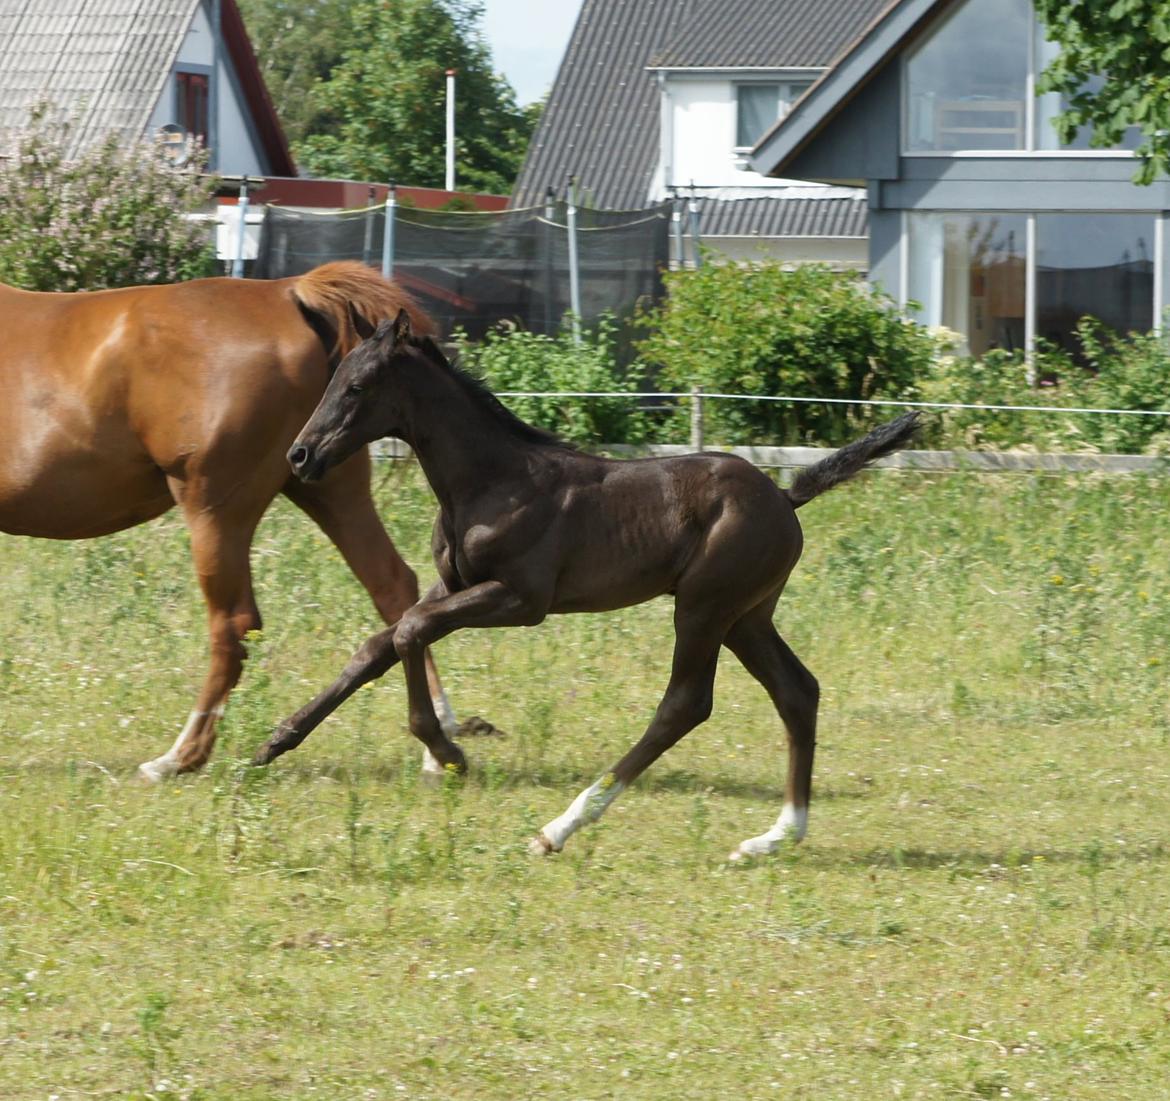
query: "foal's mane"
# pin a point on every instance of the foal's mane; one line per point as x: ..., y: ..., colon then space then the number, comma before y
x: 478, y: 391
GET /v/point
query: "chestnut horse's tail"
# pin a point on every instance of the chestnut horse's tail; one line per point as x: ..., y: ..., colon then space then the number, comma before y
x: 851, y: 459
x: 327, y: 293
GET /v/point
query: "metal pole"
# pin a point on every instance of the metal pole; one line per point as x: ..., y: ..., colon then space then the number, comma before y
x: 368, y: 240
x: 574, y: 271
x: 696, y: 418
x: 214, y: 161
x: 388, y: 231
x: 680, y: 261
x: 450, y: 184
x: 693, y: 207
x: 242, y: 207
x: 550, y: 212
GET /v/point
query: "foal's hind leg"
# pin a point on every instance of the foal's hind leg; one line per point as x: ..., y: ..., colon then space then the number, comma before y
x: 686, y: 703
x: 220, y: 545
x: 795, y: 693
x: 342, y: 507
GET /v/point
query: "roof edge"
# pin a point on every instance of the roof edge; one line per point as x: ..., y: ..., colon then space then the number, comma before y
x: 843, y: 79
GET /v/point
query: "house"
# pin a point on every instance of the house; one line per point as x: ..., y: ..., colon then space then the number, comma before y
x: 140, y: 67
x: 976, y: 211
x: 657, y: 97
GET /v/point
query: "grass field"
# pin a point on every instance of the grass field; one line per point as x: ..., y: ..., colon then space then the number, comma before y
x: 982, y: 908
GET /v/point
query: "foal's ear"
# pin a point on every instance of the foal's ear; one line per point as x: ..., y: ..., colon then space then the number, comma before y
x: 402, y: 331
x: 360, y: 325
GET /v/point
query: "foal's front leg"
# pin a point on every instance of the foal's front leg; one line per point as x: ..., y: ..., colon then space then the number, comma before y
x: 490, y: 604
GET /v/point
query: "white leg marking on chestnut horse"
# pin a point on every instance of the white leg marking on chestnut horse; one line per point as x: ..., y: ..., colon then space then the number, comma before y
x: 166, y: 766
x: 431, y: 764
x: 792, y: 825
x: 588, y: 807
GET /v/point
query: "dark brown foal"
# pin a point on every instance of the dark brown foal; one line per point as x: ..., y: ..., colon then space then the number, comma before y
x: 529, y: 527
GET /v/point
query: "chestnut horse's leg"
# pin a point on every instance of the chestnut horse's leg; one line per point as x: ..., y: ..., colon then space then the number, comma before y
x: 342, y: 507
x: 795, y: 693
x: 686, y: 704
x: 220, y: 545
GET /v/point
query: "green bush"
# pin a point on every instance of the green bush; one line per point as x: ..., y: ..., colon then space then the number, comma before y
x: 808, y: 332
x: 517, y: 360
x: 113, y: 216
x: 1109, y: 371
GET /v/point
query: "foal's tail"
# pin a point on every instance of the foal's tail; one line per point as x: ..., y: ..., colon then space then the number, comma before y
x: 329, y: 293
x: 851, y: 459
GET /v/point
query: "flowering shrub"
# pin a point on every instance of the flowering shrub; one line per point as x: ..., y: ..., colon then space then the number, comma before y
x: 111, y: 217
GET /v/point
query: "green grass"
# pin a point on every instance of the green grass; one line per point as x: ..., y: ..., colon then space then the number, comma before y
x: 982, y: 908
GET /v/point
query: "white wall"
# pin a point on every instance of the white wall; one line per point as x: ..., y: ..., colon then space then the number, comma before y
x: 698, y: 137
x: 237, y: 153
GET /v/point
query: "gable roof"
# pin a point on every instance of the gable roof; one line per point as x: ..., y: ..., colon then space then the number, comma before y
x: 602, y: 121
x: 763, y: 34
x: 108, y: 61
x: 885, y: 35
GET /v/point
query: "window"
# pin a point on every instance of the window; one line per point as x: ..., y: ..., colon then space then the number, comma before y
x: 759, y: 106
x: 968, y: 272
x: 1100, y: 265
x: 966, y: 86
x: 191, y: 93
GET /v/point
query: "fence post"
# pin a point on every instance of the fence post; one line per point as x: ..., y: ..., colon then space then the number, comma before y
x: 550, y: 212
x: 696, y: 418
x: 388, y: 232
x: 242, y: 207
x: 574, y: 270
x: 680, y: 261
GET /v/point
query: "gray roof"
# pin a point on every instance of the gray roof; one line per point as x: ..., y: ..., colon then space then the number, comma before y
x: 765, y: 34
x: 105, y: 62
x: 804, y: 216
x: 602, y: 125
x: 601, y: 120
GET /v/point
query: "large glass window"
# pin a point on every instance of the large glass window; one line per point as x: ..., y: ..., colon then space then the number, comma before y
x: 967, y: 84
x: 968, y: 273
x: 1100, y: 265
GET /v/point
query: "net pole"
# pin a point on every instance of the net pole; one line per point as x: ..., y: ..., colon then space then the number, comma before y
x: 550, y: 210
x: 693, y: 208
x: 388, y: 232
x: 242, y: 207
x: 574, y: 270
x: 368, y: 239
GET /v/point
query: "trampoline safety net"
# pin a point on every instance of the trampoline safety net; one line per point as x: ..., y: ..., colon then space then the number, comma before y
x: 474, y: 270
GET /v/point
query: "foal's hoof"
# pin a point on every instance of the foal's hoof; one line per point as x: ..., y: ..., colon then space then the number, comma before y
x: 281, y: 741
x: 541, y: 846
x: 475, y: 727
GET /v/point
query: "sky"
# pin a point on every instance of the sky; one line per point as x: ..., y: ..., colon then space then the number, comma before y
x: 527, y: 40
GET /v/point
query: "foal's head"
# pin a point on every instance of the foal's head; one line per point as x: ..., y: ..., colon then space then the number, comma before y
x: 364, y: 399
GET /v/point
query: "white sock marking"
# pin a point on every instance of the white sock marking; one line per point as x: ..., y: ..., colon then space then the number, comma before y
x: 431, y: 764
x: 588, y: 807
x: 792, y: 825
x: 166, y: 766
x: 445, y: 713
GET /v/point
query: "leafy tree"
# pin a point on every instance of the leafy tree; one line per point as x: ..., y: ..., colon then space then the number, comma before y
x: 1129, y: 42
x: 382, y: 111
x: 298, y: 43
x: 113, y: 216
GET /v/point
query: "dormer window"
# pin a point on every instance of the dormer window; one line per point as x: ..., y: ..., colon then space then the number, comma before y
x: 192, y: 92
x: 759, y: 105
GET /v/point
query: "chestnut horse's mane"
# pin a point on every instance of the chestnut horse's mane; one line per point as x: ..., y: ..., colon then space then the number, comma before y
x: 328, y: 292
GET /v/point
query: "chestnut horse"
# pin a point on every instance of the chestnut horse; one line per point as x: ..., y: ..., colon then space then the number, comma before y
x: 116, y: 405
x: 528, y: 527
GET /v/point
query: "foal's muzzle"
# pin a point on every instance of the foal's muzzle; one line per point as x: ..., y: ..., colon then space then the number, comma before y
x: 304, y: 462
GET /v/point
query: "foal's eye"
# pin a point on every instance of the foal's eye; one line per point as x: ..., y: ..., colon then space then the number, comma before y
x: 354, y: 388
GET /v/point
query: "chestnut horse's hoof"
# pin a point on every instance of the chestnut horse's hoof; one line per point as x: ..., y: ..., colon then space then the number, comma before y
x: 541, y: 846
